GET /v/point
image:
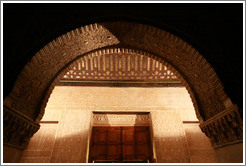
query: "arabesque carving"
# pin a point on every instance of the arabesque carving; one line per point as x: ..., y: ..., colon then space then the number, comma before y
x: 119, y: 66
x: 38, y: 78
x: 225, y: 128
x: 17, y: 129
x: 40, y: 75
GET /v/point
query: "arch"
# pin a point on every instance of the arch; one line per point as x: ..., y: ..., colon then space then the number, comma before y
x: 117, y: 51
x: 36, y: 81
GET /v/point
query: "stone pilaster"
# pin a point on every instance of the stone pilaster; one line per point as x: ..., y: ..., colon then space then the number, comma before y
x: 225, y: 128
x: 17, y: 129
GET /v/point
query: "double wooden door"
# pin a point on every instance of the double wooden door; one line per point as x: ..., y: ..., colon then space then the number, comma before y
x: 120, y: 144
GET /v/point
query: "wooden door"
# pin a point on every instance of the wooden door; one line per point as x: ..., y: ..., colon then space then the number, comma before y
x: 114, y: 144
x: 120, y: 144
x: 128, y: 143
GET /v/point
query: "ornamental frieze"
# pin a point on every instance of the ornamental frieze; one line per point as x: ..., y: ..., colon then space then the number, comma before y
x: 225, y: 128
x: 120, y: 119
x: 17, y: 129
x: 119, y: 66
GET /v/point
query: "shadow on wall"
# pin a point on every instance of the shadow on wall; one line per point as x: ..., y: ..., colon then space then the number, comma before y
x: 52, y: 145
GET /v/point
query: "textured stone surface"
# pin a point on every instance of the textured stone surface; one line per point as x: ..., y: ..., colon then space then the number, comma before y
x: 169, y: 138
x: 72, y: 137
x: 11, y: 154
x: 200, y: 148
x: 230, y: 154
x: 123, y: 99
x: 41, y: 145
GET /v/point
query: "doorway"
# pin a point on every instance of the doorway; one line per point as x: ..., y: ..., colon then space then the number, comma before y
x: 120, y: 144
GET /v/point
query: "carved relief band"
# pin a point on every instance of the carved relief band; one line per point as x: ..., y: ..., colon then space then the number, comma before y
x: 225, y: 128
x: 120, y: 120
x: 17, y: 129
x: 119, y: 66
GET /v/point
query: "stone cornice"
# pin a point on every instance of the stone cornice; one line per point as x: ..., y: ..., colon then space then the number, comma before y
x: 225, y: 128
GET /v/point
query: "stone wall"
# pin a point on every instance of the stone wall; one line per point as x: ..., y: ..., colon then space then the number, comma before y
x: 62, y: 137
x: 169, y: 137
x: 66, y: 125
x: 199, y: 146
x: 123, y: 99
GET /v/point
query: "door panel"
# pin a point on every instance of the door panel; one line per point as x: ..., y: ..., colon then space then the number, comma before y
x: 141, y: 137
x: 114, y: 152
x: 128, y: 152
x: 114, y: 135
x: 99, y: 150
x: 142, y: 149
x: 100, y: 135
x: 128, y: 136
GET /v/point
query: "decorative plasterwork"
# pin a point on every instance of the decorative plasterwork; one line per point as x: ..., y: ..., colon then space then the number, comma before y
x: 225, y: 128
x: 163, y: 83
x: 118, y: 66
x: 120, y: 120
x: 17, y: 129
x: 38, y: 78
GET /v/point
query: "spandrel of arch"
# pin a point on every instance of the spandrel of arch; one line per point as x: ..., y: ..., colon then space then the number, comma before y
x: 38, y: 78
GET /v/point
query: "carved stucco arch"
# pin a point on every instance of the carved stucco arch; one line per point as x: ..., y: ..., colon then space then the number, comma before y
x: 124, y: 51
x: 36, y: 81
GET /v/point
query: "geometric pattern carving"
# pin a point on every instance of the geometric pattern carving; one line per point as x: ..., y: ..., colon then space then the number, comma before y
x: 120, y: 120
x: 45, y: 69
x: 118, y: 66
x: 225, y: 128
x: 17, y: 129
